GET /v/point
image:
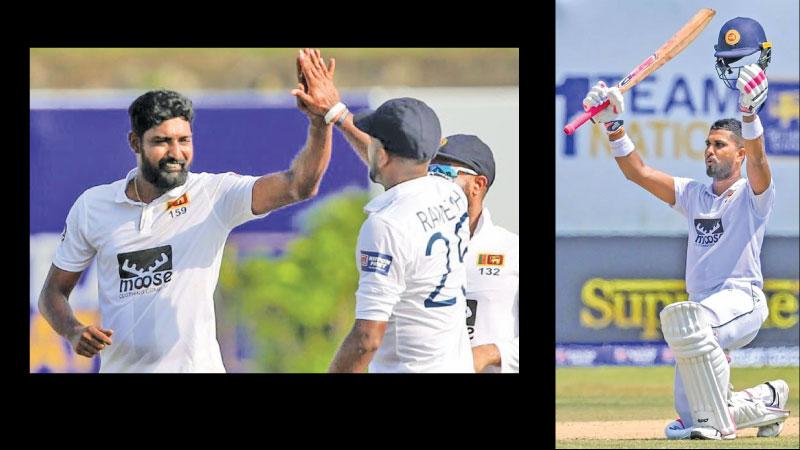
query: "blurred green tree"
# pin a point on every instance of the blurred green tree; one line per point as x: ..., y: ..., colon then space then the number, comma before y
x: 298, y: 307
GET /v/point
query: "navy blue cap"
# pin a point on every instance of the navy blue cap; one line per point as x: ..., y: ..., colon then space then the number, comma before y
x: 470, y: 151
x: 406, y: 126
x: 738, y: 38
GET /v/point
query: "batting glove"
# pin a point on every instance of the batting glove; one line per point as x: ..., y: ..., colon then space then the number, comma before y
x: 753, y: 86
x: 599, y: 94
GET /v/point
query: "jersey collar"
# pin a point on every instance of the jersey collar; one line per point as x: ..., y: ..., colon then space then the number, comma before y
x: 121, y: 197
x: 397, y: 191
x: 484, y: 220
x: 733, y: 187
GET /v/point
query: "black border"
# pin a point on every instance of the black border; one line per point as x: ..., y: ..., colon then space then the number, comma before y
x: 460, y: 400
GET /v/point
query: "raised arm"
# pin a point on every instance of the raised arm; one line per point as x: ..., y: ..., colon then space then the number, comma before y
x: 327, y: 96
x: 357, y: 138
x: 653, y: 181
x: 628, y: 159
x: 753, y: 86
x: 301, y: 181
x: 758, y: 172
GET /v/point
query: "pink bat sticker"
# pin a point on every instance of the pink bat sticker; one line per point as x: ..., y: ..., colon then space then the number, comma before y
x: 647, y: 62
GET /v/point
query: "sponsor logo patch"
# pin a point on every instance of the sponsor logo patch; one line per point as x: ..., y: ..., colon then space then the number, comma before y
x: 485, y: 259
x: 472, y: 310
x: 144, y: 271
x: 375, y: 262
x: 709, y: 231
x: 183, y: 200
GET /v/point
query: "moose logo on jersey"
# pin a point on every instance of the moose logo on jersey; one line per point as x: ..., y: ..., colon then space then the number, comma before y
x: 708, y: 231
x: 144, y: 271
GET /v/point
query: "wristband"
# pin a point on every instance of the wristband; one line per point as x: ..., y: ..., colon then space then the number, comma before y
x: 340, y: 122
x: 622, y: 147
x: 337, y: 108
x: 752, y: 130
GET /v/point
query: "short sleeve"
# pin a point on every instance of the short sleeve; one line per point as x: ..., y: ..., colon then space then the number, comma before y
x: 683, y: 190
x: 74, y: 253
x: 762, y: 203
x: 381, y: 265
x: 232, y: 197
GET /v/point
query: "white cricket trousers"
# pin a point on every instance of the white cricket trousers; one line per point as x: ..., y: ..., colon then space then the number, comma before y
x: 735, y: 325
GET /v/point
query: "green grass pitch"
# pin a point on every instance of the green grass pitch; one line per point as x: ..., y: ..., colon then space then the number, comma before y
x: 599, y: 394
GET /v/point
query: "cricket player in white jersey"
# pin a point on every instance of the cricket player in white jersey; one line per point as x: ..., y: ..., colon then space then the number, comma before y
x: 410, y: 303
x: 492, y: 258
x: 726, y: 220
x: 158, y: 236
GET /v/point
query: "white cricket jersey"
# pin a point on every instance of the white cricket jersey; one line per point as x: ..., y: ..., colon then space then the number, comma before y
x: 158, y: 266
x: 493, y: 291
x: 725, y: 235
x: 412, y: 274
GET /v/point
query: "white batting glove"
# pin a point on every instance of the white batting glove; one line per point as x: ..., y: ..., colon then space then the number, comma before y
x: 753, y: 86
x: 599, y: 94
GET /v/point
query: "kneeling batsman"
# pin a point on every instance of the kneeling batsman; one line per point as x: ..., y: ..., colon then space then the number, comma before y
x: 716, y: 410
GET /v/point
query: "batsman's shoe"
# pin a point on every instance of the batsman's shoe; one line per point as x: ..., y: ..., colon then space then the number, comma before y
x: 709, y: 433
x: 781, y: 390
x: 676, y: 430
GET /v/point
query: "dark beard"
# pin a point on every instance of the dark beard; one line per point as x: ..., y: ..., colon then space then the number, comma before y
x: 160, y: 178
x: 719, y: 172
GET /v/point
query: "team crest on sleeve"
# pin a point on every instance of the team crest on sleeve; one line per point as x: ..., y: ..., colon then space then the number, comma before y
x: 485, y: 259
x: 375, y: 262
x: 183, y: 200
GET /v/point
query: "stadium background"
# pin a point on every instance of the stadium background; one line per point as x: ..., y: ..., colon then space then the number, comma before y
x: 285, y: 297
x: 620, y: 252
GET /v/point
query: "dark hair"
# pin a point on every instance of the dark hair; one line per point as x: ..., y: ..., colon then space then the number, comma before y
x: 154, y: 107
x: 732, y: 125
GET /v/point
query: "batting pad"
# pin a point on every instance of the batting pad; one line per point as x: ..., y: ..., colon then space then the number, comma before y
x: 753, y: 413
x: 701, y: 364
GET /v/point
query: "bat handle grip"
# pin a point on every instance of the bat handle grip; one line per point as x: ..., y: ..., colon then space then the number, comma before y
x: 584, y: 117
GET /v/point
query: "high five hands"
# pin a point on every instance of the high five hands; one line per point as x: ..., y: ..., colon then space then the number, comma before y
x: 315, y: 91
